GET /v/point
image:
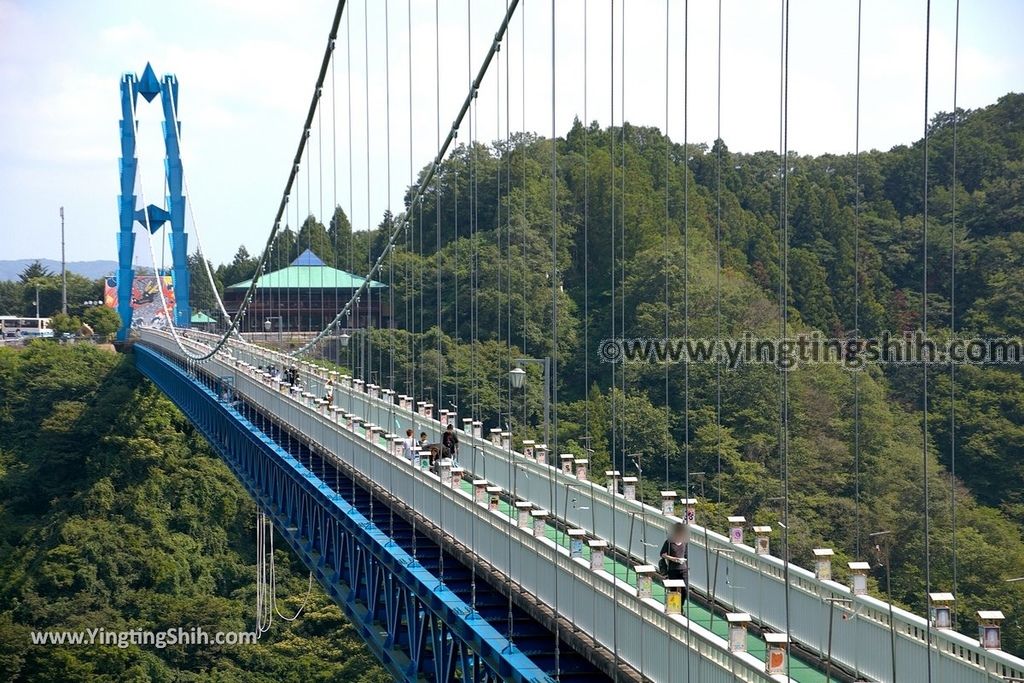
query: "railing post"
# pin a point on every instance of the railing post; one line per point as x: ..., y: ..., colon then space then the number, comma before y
x: 480, y: 491
x: 668, y: 502
x: 539, y: 522
x: 581, y: 469
x: 597, y: 550
x: 823, y: 563
x: 736, y: 523
x: 629, y: 488
x: 523, y: 508
x: 940, y: 610
x: 762, y: 540
x: 613, y: 481
x: 737, y: 630
x: 576, y: 537
x: 859, y: 577
x: 528, y: 448
x: 644, y: 580
x: 775, y: 659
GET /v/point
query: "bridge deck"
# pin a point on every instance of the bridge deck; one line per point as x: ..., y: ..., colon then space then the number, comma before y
x: 510, y: 621
x: 755, y: 587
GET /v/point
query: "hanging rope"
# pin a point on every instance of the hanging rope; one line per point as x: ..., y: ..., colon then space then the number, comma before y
x: 856, y: 293
x: 586, y: 243
x: 686, y: 281
x: 413, y: 358
x: 391, y: 263
x: 273, y: 578
x: 320, y: 161
x: 924, y: 330
x: 718, y: 258
x: 512, y: 469
x: 334, y: 200
x: 952, y: 309
x: 622, y: 228
x: 611, y: 193
x: 351, y: 194
x: 668, y: 167
x: 473, y: 274
x: 409, y: 275
x: 367, y: 336
x: 784, y: 308
x: 437, y: 246
x: 554, y: 310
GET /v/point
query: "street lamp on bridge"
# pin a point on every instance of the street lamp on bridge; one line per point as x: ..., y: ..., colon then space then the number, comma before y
x: 268, y: 325
x: 517, y: 378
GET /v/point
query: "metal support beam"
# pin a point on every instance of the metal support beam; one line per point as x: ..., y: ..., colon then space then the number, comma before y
x: 412, y: 622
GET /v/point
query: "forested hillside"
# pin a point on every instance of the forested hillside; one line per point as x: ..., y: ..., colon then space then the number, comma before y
x: 638, y: 243
x: 115, y: 515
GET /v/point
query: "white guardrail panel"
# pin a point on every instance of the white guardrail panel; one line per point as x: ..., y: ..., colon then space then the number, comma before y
x: 640, y: 632
x: 745, y: 581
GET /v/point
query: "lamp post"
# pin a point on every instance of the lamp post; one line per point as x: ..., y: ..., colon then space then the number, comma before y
x: 517, y: 377
x: 63, y: 269
x: 882, y: 550
x: 268, y: 326
x: 344, y: 339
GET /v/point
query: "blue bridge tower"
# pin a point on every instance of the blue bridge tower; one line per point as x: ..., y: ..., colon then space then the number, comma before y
x: 173, y: 210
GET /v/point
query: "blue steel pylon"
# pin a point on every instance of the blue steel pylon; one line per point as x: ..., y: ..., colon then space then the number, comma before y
x: 174, y: 203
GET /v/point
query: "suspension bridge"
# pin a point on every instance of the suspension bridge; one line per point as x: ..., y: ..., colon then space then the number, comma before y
x: 515, y: 561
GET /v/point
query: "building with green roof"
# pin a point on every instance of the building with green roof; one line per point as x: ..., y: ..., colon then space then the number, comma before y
x: 305, y: 296
x: 202, y: 321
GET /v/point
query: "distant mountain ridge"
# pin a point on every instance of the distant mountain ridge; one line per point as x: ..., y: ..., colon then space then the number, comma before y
x: 9, y: 270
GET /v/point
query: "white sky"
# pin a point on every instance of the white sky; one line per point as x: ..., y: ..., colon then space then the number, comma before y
x: 247, y: 67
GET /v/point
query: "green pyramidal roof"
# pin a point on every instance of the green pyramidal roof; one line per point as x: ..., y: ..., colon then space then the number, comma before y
x: 308, y: 277
x: 201, y: 318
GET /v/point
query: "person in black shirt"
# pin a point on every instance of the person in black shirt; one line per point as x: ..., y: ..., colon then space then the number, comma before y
x: 450, y: 441
x: 674, y: 564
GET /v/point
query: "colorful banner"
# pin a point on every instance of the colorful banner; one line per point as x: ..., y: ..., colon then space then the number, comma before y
x: 147, y: 307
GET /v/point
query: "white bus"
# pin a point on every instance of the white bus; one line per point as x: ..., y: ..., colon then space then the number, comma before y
x: 14, y: 327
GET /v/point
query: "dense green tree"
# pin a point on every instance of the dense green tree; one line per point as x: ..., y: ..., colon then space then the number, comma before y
x: 33, y: 271
x: 314, y: 236
x: 202, y: 296
x: 115, y: 514
x: 241, y: 268
x: 339, y: 232
x: 104, y: 321
x: 65, y: 324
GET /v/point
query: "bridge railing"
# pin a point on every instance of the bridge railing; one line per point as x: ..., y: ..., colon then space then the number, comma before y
x: 741, y: 579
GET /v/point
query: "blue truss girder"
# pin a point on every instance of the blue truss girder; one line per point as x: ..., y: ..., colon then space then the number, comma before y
x: 413, y: 623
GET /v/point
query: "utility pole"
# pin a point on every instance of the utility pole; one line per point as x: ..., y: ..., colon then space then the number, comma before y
x: 63, y: 271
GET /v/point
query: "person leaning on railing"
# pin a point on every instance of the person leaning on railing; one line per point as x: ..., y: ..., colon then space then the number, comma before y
x: 674, y: 563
